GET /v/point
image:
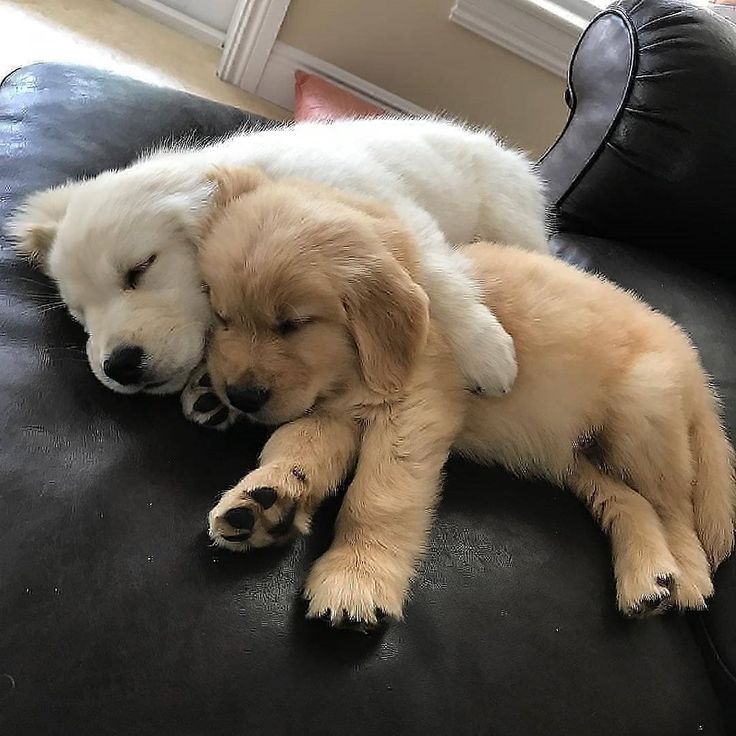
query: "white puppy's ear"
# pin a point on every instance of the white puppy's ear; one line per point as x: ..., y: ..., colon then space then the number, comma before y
x: 32, y: 228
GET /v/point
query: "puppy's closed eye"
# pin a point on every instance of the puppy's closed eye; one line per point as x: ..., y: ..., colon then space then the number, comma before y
x: 133, y: 275
x: 291, y: 325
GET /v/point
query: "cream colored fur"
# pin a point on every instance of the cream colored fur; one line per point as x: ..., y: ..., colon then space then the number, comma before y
x: 454, y: 183
x: 610, y: 401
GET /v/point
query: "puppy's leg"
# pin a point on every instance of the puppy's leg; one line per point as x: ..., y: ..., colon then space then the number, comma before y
x: 300, y: 465
x: 693, y: 584
x: 644, y: 568
x: 484, y: 351
x: 659, y: 463
x: 384, y: 520
x: 649, y: 437
x: 714, y: 489
x: 201, y: 404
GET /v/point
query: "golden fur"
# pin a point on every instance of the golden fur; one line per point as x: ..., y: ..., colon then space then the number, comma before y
x: 317, y: 303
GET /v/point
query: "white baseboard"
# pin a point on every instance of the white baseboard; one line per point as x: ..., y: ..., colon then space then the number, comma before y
x: 178, y: 21
x: 727, y: 11
x: 534, y: 29
x: 277, y: 81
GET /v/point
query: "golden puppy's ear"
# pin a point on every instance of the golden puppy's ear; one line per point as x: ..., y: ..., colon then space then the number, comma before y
x: 32, y: 228
x: 388, y: 316
x: 233, y: 181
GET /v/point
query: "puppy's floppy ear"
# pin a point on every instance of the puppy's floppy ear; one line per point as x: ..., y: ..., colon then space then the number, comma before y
x: 233, y: 181
x: 388, y: 316
x: 32, y: 228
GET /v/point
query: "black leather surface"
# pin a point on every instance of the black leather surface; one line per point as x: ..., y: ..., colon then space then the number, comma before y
x: 595, y: 101
x: 649, y: 156
x: 705, y: 305
x: 117, y: 618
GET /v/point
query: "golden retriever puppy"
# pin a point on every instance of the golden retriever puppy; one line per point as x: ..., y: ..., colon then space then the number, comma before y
x: 323, y: 330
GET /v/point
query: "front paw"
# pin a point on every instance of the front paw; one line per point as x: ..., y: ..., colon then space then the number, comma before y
x: 256, y: 515
x: 351, y: 593
x: 640, y: 596
x: 201, y: 404
x: 487, y: 356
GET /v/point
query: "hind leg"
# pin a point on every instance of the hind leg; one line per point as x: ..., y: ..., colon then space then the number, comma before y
x: 656, y: 455
x: 663, y: 473
x: 643, y: 565
x: 693, y: 584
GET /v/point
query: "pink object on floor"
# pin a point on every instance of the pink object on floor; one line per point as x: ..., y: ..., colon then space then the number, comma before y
x: 317, y: 99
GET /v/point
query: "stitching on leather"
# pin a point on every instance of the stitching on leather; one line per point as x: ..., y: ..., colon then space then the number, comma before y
x: 8, y: 75
x: 660, y: 18
x: 636, y: 7
x: 626, y: 158
x: 654, y: 117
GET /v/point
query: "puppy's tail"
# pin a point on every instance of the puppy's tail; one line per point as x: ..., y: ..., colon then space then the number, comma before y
x: 714, y: 487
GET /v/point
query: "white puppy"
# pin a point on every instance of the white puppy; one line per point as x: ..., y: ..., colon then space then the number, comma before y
x: 122, y: 245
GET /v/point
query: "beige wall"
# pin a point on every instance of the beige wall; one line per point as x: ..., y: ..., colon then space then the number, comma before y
x: 411, y: 48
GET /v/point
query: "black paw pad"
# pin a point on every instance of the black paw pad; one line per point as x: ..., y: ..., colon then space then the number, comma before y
x: 240, y: 518
x: 651, y: 605
x: 206, y: 402
x: 217, y: 418
x: 284, y: 526
x: 382, y: 617
x: 205, y: 381
x: 264, y: 497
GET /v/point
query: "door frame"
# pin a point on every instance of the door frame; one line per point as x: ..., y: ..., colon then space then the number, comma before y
x: 250, y: 38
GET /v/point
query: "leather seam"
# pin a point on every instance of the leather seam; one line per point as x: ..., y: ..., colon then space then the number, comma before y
x: 633, y: 65
x: 6, y: 78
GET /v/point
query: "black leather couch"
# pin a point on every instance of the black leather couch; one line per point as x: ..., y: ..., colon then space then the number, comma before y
x: 117, y: 618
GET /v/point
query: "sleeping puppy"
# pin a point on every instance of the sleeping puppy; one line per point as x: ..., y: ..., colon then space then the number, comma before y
x: 323, y: 329
x: 121, y: 245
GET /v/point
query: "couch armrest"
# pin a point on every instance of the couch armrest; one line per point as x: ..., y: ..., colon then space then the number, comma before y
x: 648, y: 155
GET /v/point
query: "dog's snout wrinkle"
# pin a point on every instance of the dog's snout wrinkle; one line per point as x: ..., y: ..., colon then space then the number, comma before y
x: 247, y: 398
x: 125, y: 365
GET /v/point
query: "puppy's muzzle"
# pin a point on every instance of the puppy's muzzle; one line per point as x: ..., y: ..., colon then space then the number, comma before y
x: 124, y: 365
x: 247, y: 398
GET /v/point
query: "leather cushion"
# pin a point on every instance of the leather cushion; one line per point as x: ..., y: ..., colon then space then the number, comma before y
x: 649, y: 153
x: 118, y: 618
x: 704, y: 304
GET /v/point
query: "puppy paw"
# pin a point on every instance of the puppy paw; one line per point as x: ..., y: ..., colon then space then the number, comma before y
x: 691, y: 591
x: 487, y: 355
x: 256, y: 515
x: 347, y: 593
x: 648, y: 596
x: 201, y: 404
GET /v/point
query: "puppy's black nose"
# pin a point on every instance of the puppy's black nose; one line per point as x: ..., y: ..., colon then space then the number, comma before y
x: 248, y: 398
x: 125, y: 365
